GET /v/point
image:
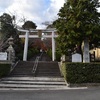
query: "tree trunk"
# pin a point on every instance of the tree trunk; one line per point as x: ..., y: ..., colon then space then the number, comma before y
x: 85, y: 47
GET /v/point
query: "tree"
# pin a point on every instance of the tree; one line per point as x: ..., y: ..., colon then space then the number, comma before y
x: 6, y: 26
x: 78, y: 21
x: 8, y: 30
x: 64, y: 41
x: 29, y: 25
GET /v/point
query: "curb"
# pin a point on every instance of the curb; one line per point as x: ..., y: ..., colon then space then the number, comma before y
x: 85, y: 85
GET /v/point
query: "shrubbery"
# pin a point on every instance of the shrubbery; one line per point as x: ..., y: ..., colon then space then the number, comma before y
x: 57, y: 54
x: 49, y: 53
x: 31, y: 53
x: 4, y: 69
x: 81, y: 72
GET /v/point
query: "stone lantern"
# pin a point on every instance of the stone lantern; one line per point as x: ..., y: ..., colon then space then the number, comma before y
x: 10, y: 50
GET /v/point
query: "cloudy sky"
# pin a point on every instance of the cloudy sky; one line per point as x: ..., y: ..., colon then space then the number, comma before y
x: 37, y: 11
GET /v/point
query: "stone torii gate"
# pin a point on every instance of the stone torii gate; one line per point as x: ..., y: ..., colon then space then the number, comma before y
x: 27, y: 35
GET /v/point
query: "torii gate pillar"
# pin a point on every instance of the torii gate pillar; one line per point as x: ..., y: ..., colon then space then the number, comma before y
x: 26, y: 46
x: 53, y: 47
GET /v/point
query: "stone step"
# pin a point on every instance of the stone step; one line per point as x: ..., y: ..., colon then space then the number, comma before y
x: 42, y: 88
x: 48, y: 74
x: 21, y: 75
x: 33, y: 83
x: 23, y: 68
x: 24, y: 71
x: 48, y: 69
x: 33, y: 78
x: 34, y: 87
x: 28, y: 86
x: 25, y: 64
x: 51, y: 69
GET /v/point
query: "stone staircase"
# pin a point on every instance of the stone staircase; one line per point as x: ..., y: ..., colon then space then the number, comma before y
x: 21, y: 78
x: 48, y: 69
x: 32, y: 83
x: 23, y: 68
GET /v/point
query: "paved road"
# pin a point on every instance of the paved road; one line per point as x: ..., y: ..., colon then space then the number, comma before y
x: 84, y: 94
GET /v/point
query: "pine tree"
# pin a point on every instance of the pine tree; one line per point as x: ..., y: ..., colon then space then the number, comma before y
x: 78, y: 20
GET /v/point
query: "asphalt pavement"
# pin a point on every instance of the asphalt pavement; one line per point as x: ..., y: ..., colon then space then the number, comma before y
x: 92, y: 93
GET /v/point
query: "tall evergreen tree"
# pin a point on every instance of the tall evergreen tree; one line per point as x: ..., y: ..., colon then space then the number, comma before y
x: 78, y: 20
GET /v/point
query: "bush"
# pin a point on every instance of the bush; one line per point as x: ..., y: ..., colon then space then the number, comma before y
x: 4, y: 69
x: 49, y: 53
x: 20, y: 55
x: 58, y: 55
x: 32, y: 52
x: 81, y: 72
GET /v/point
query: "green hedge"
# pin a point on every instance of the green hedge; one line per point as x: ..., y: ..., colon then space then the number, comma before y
x: 4, y: 69
x: 81, y: 72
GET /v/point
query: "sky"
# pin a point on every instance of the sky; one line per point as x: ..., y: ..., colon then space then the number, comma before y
x: 38, y: 11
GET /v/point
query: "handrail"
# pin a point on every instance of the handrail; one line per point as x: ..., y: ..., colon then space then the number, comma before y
x: 35, y: 64
x: 13, y: 66
x: 41, y: 54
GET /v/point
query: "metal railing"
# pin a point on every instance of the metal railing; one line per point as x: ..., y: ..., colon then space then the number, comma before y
x: 36, y: 63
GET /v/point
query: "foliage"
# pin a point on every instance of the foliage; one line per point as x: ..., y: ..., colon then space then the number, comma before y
x: 20, y: 55
x: 29, y: 25
x: 32, y: 52
x: 7, y: 30
x: 58, y: 55
x: 49, y: 53
x: 4, y: 69
x: 77, y: 20
x: 81, y: 72
x: 63, y: 70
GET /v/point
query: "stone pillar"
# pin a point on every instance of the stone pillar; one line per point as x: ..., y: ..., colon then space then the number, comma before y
x: 86, y: 56
x: 10, y: 50
x: 53, y: 47
x: 26, y: 46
